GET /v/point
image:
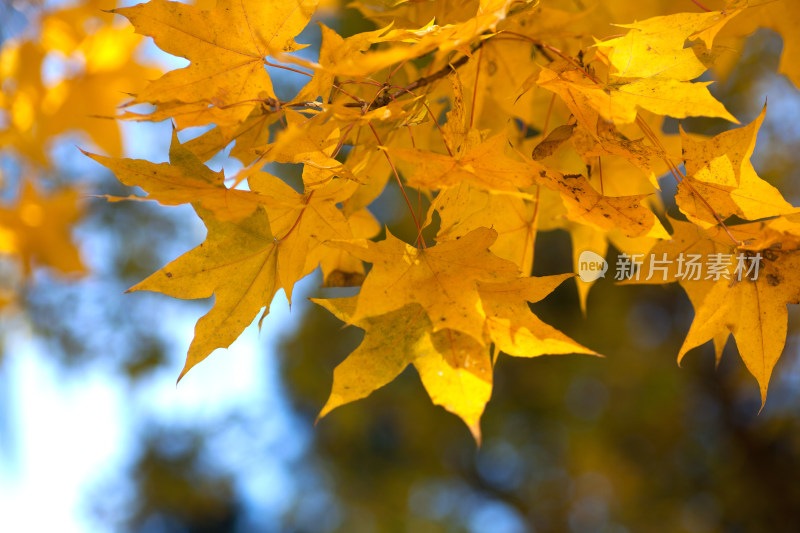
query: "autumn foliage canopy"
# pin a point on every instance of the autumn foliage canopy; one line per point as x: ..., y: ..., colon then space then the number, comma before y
x: 494, y: 119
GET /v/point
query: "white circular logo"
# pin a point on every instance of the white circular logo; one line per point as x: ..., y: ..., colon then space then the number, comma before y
x: 591, y: 266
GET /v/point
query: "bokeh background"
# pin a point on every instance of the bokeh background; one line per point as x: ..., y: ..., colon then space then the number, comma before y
x: 95, y: 436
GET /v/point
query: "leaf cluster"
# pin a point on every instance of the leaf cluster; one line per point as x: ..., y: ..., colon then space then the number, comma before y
x: 510, y: 118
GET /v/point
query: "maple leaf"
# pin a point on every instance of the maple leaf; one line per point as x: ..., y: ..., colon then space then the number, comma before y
x: 185, y: 179
x: 512, y: 326
x: 654, y: 48
x: 333, y: 51
x: 720, y: 176
x: 505, y: 75
x: 672, y: 98
x: 405, y: 44
x: 389, y: 346
x: 457, y: 133
x: 754, y: 310
x: 455, y: 369
x: 457, y: 374
x: 618, y: 102
x: 750, y: 307
x: 485, y: 165
x: 584, y: 97
x: 237, y: 264
x: 584, y: 204
x: 443, y: 278
x: 308, y: 141
x: 465, y: 208
x: 303, y: 223
x: 652, y: 67
x: 339, y: 268
x: 253, y: 131
x: 227, y: 47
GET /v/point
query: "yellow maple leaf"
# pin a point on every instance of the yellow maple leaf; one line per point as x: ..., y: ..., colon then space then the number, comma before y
x: 674, y: 98
x: 443, y: 278
x: 652, y: 69
x: 512, y: 326
x: 485, y: 165
x: 754, y: 311
x: 311, y: 141
x: 604, y: 140
x: 455, y: 370
x: 584, y: 204
x: 654, y: 48
x: 300, y: 222
x: 304, y: 223
x: 720, y: 177
x: 185, y: 179
x: 618, y: 101
x: 389, y: 346
x: 585, y: 97
x: 465, y: 207
x: 333, y: 51
x: 746, y: 298
x: 253, y: 131
x: 226, y: 46
x: 237, y: 263
x: 405, y: 44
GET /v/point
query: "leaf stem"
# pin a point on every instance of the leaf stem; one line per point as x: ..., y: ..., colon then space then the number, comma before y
x: 475, y: 89
x: 284, y: 67
x: 420, y: 239
x: 701, y: 6
x: 549, y: 113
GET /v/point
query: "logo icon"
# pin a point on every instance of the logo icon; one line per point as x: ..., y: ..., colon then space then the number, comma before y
x: 591, y: 266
